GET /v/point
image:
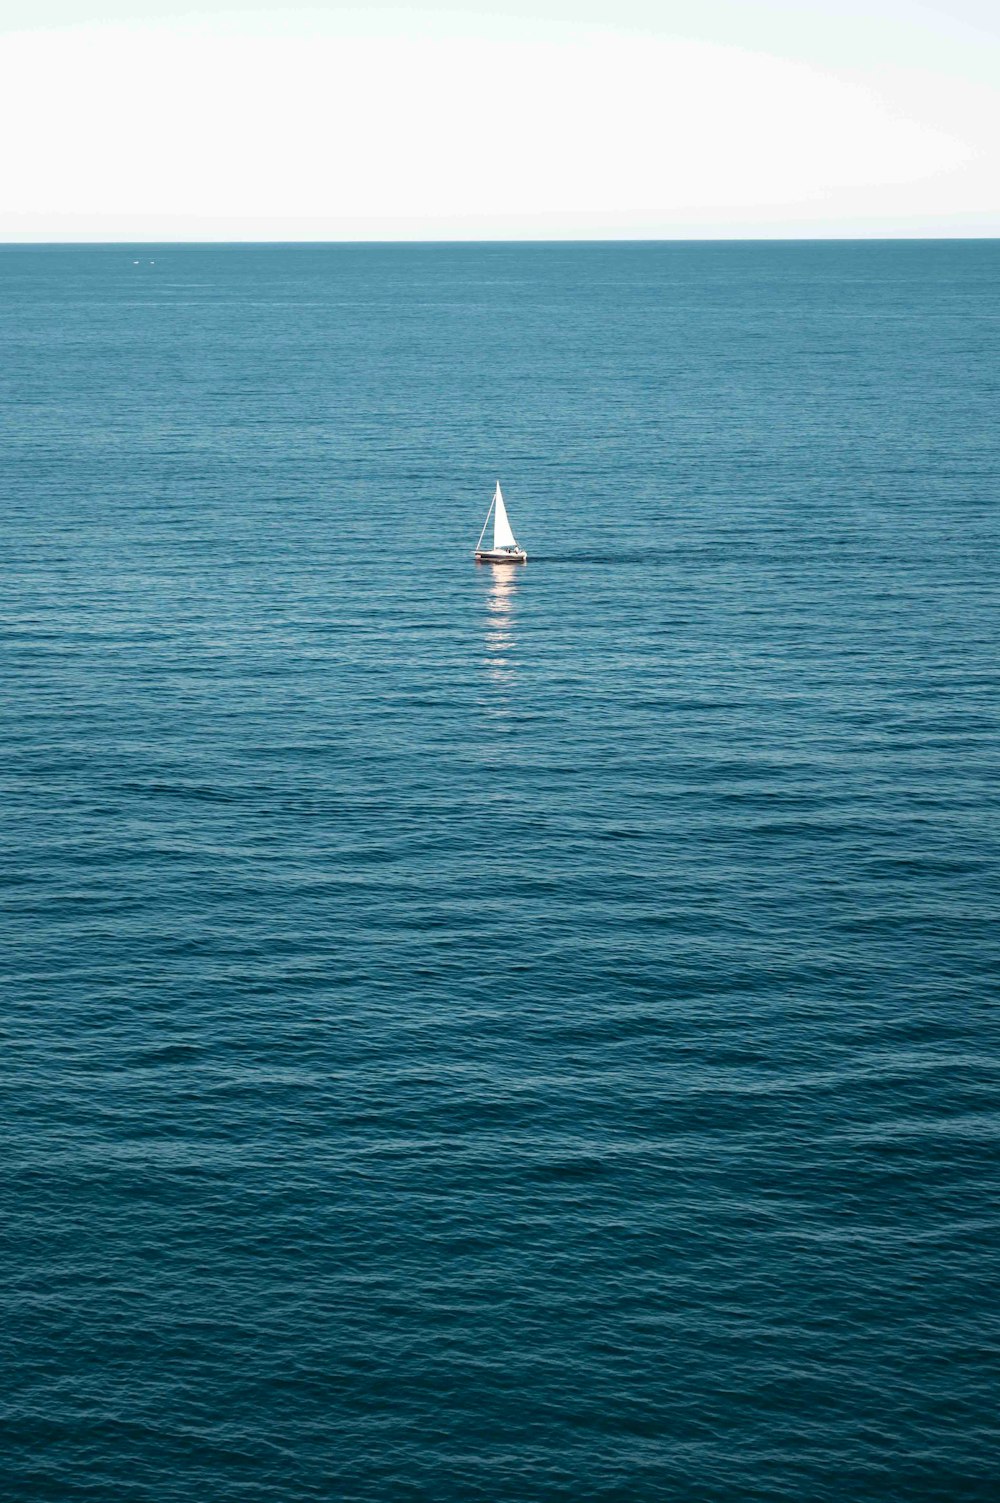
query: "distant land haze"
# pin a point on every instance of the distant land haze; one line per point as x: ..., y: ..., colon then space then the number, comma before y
x: 759, y: 120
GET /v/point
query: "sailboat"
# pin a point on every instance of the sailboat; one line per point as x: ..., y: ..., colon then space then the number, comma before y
x: 505, y: 549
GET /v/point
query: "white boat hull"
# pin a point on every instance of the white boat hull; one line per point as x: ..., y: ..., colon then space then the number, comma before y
x: 501, y: 556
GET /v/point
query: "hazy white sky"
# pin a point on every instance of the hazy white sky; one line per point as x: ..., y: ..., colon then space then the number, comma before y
x: 174, y: 120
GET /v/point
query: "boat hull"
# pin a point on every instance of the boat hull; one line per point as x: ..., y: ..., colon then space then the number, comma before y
x: 501, y: 556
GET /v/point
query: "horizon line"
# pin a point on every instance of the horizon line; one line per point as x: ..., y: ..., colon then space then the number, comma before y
x: 833, y: 239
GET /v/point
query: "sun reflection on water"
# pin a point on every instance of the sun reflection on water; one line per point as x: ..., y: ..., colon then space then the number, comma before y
x: 500, y: 598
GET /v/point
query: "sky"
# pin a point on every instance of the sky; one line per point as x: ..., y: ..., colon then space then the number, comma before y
x: 518, y: 119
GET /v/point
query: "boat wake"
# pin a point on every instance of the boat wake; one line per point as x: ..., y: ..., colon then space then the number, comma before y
x: 637, y: 556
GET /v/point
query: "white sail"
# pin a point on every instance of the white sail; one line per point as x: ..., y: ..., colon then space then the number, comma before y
x: 502, y: 535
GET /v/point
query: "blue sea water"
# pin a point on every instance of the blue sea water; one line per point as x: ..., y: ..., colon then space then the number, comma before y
x: 500, y: 1035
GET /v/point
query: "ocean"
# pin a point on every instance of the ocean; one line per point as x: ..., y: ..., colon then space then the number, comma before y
x: 500, y: 1036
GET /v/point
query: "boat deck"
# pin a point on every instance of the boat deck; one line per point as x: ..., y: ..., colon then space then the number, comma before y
x: 501, y: 556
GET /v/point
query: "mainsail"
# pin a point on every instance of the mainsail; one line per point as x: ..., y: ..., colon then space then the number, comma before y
x: 502, y: 535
